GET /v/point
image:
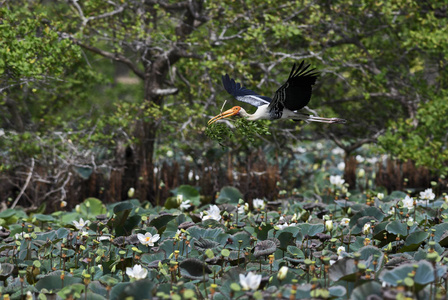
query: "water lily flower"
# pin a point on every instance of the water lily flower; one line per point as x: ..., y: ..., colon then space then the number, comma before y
x: 340, y: 250
x: 284, y: 225
x: 250, y: 282
x: 360, y: 159
x: 148, y: 239
x: 241, y: 209
x: 104, y: 238
x: 329, y: 225
x: 345, y: 221
x: 408, y: 202
x: 427, y: 194
x: 361, y: 173
x: 80, y: 225
x: 372, y: 160
x: 137, y: 272
x: 178, y: 234
x: 336, y: 180
x: 258, y: 203
x: 366, y: 229
x: 337, y: 151
x: 282, y: 273
x: 131, y: 192
x: 212, y: 213
x: 83, y: 233
x: 185, y: 204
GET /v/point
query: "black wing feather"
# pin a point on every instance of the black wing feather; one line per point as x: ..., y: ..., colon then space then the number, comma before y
x: 296, y: 92
x: 242, y: 94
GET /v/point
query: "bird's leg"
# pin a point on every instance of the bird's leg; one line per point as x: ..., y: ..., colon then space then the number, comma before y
x: 326, y: 120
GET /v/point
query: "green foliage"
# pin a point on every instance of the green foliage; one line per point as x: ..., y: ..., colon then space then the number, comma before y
x: 423, y: 141
x: 245, y: 130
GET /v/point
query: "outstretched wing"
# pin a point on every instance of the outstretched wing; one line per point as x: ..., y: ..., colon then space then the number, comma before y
x: 295, y: 93
x: 242, y: 94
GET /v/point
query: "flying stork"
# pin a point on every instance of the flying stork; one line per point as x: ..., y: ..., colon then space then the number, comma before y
x: 289, y: 101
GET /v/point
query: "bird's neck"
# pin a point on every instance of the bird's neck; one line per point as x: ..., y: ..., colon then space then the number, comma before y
x: 261, y: 113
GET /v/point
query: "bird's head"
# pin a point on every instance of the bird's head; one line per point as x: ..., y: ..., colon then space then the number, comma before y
x: 228, y: 113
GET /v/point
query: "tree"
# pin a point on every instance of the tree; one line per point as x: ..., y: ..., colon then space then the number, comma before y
x: 375, y: 58
x: 372, y: 71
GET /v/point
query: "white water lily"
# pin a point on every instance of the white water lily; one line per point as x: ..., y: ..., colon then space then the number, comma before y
x: 408, y: 202
x: 329, y: 225
x: 137, y: 272
x: 345, y: 221
x: 185, y: 204
x: 212, y: 213
x: 282, y: 272
x: 341, y: 249
x: 391, y: 211
x: 338, y: 151
x: 81, y: 224
x: 284, y: 225
x: 250, y: 282
x: 131, y: 192
x: 83, y: 233
x: 366, y: 229
x: 148, y: 239
x: 361, y: 173
x: 258, y: 203
x: 336, y: 180
x: 427, y: 194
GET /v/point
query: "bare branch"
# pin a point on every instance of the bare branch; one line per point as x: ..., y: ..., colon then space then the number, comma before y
x: 165, y: 92
x: 30, y: 173
x: 116, y: 57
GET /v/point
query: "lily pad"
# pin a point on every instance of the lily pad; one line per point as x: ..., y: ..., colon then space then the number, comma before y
x: 397, y: 227
x: 414, y: 240
x: 366, y: 290
x: 264, y: 248
x: 424, y: 273
x: 229, y: 194
x: 343, y: 269
x: 310, y: 229
x: 194, y: 269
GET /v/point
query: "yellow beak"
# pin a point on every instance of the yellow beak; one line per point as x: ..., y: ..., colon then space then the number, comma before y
x: 226, y: 114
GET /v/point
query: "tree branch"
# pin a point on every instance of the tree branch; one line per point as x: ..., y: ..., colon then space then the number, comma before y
x: 30, y: 173
x: 116, y: 57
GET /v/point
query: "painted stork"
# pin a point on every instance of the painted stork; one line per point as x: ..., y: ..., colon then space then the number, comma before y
x: 289, y: 101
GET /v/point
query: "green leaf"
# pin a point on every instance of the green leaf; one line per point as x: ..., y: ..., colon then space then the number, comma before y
x: 365, y: 290
x: 310, y: 229
x: 188, y: 193
x: 229, y: 195
x: 413, y: 241
x: 397, y: 227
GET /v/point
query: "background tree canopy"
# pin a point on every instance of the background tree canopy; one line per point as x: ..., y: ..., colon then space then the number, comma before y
x: 124, y: 88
